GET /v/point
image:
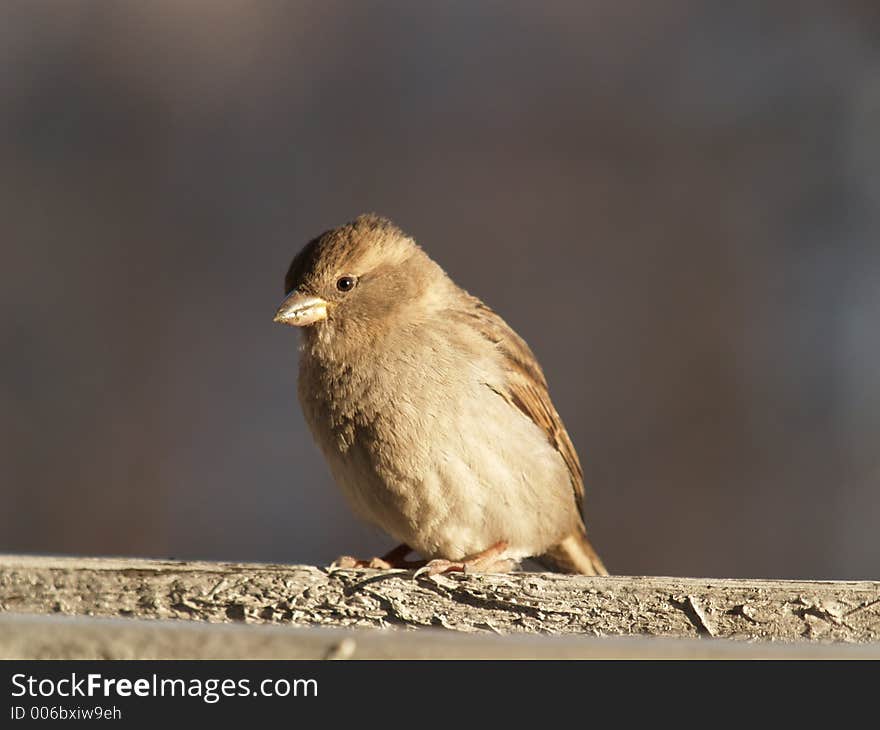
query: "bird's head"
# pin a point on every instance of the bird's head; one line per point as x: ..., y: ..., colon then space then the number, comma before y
x: 358, y: 281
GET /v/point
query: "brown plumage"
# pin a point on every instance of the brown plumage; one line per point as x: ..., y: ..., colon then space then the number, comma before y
x: 433, y: 414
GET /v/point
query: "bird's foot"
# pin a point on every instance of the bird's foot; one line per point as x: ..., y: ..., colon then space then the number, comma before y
x: 389, y: 561
x: 491, y: 560
x: 347, y: 561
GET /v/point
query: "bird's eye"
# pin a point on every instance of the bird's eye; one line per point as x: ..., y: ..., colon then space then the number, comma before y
x: 345, y: 283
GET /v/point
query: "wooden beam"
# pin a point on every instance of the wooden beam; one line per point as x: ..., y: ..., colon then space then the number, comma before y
x: 34, y: 636
x: 515, y: 603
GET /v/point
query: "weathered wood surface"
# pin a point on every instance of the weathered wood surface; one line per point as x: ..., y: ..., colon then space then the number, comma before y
x: 517, y: 603
x: 29, y: 636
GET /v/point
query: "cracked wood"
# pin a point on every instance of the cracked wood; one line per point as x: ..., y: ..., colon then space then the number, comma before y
x: 525, y: 603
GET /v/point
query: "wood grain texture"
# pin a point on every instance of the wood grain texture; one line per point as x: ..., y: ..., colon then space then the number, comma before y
x: 35, y: 636
x: 516, y: 603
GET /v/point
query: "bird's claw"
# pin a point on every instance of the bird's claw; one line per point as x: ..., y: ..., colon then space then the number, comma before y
x: 439, y: 566
x: 491, y: 560
x: 345, y: 562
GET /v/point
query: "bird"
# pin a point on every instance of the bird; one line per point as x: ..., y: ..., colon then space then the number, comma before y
x: 433, y: 414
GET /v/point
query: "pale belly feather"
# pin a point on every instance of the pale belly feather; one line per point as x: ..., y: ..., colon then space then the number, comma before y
x: 452, y: 479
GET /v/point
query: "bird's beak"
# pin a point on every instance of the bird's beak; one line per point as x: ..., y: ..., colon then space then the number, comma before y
x: 299, y: 310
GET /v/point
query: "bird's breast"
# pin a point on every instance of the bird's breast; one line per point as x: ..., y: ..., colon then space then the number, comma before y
x: 436, y: 457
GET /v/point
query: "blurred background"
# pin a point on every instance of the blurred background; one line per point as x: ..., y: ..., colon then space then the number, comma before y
x: 695, y: 185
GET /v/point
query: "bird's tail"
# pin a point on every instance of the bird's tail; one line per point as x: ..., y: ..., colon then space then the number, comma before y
x: 574, y: 554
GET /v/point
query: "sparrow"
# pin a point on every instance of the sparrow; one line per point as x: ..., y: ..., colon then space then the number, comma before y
x: 433, y: 415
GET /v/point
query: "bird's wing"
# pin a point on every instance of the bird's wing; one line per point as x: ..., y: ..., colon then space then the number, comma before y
x: 525, y: 386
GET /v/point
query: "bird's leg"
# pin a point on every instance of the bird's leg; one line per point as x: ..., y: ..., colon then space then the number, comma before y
x: 491, y: 560
x: 392, y: 559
